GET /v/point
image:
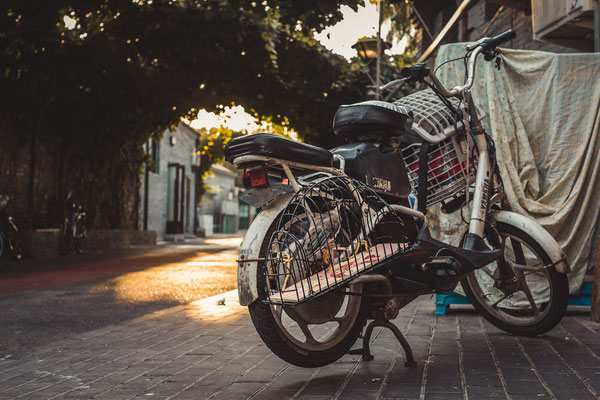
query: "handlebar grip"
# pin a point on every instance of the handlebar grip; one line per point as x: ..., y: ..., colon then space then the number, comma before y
x: 498, y: 40
x: 417, y: 72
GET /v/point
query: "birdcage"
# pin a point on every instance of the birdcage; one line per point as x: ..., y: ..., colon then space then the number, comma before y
x: 451, y: 154
x: 332, y: 231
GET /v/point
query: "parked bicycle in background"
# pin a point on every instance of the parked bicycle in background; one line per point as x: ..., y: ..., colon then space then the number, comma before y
x: 10, y: 236
x: 73, y: 232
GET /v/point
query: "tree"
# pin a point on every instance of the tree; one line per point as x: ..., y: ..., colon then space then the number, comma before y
x: 126, y: 68
x: 99, y: 78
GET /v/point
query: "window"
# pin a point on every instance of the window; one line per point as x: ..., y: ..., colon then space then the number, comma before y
x: 154, y: 156
x: 490, y: 10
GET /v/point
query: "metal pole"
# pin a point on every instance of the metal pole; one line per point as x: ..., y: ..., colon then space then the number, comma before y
x: 597, y: 26
x: 146, y: 189
x: 445, y: 30
x: 423, y: 24
x: 378, y: 67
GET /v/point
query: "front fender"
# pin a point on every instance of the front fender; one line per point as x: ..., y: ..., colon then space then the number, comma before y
x: 537, y: 233
x: 255, y: 236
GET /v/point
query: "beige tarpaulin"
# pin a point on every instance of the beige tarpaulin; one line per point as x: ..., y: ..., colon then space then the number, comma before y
x: 543, y: 114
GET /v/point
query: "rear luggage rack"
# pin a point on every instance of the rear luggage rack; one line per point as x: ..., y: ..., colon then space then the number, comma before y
x: 331, y: 232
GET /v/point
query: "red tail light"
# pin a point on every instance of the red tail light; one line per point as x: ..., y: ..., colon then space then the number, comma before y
x: 255, y: 177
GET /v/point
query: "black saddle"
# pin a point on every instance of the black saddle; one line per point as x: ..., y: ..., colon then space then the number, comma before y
x: 265, y: 144
x: 372, y: 120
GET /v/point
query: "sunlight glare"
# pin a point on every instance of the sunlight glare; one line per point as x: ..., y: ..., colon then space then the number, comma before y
x: 235, y: 118
x: 69, y: 22
x: 340, y: 37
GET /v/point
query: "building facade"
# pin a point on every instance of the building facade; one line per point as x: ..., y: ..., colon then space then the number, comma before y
x: 221, y: 210
x: 169, y: 184
x: 491, y: 17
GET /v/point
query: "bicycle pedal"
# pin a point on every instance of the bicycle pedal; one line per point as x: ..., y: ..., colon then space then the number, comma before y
x: 442, y: 266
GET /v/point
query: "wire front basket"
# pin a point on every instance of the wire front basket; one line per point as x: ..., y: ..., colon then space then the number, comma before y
x: 332, y: 231
x: 450, y: 169
x: 452, y: 156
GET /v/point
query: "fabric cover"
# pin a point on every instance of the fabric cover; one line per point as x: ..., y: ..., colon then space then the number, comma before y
x: 265, y: 144
x: 372, y: 119
x: 543, y: 116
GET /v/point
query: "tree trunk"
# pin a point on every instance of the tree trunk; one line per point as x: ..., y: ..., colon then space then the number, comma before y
x: 596, y: 287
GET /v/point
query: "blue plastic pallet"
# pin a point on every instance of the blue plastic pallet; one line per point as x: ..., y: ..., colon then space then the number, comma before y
x: 443, y: 301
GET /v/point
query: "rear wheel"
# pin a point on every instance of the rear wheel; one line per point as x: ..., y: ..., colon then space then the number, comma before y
x: 532, y: 300
x: 314, y: 333
x: 15, y: 245
x: 79, y: 237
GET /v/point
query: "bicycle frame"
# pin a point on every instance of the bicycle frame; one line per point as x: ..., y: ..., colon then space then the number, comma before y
x: 482, y: 199
x: 483, y: 179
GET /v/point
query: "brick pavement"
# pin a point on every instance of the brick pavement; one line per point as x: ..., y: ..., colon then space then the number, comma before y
x: 203, y: 350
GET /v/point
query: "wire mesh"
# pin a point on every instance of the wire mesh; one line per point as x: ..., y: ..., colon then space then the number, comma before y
x: 450, y: 169
x: 331, y: 232
x: 433, y: 120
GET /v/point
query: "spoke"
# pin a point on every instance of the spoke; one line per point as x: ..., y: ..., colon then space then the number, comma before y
x: 279, y: 311
x: 527, y: 292
x: 497, y: 302
x: 307, y: 333
x: 488, y: 272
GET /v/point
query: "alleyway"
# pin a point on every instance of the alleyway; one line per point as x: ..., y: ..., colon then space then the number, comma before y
x: 133, y: 328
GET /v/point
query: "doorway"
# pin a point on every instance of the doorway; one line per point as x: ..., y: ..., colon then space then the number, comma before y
x: 175, y: 198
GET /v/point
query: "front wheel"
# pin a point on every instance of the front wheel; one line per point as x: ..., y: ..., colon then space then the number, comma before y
x: 532, y: 296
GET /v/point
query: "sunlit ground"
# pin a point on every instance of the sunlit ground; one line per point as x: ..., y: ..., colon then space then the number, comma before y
x: 221, y: 308
x: 191, y: 279
x: 146, y: 284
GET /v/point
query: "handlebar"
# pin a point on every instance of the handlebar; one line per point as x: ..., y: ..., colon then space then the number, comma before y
x: 490, y: 43
x: 484, y: 45
x: 418, y: 72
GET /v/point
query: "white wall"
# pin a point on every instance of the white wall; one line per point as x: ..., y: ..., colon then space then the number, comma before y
x: 181, y: 152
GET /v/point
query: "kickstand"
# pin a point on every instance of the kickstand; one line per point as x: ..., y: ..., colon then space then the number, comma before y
x: 366, y: 352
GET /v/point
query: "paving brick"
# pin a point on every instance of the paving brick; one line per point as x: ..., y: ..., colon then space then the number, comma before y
x: 167, y: 388
x: 485, y: 392
x: 443, y: 396
x: 194, y: 393
x: 275, y: 394
x: 241, y: 388
x: 529, y: 388
x: 569, y: 393
x: 171, y: 354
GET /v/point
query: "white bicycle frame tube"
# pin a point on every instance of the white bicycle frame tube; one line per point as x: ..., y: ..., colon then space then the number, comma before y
x: 483, y: 179
x: 482, y: 189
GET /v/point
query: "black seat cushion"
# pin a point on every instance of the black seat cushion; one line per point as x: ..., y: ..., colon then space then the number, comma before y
x: 265, y: 144
x: 372, y: 120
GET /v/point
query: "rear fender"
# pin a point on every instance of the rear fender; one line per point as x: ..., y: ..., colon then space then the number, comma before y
x: 537, y: 233
x: 247, y: 271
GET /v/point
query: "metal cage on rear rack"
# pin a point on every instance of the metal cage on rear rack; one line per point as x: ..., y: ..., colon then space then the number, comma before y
x: 332, y: 231
x: 450, y: 167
